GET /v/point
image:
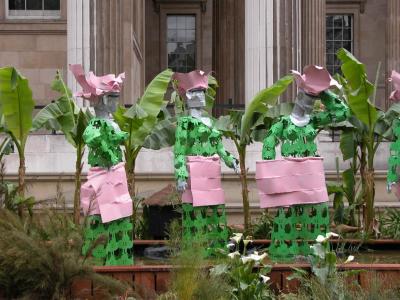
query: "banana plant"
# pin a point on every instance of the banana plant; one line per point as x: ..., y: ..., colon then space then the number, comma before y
x: 65, y: 116
x: 244, y: 127
x: 16, y: 106
x: 146, y: 123
x: 364, y: 131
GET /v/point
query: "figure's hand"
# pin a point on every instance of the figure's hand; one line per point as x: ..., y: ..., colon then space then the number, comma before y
x: 235, y: 166
x: 181, y: 185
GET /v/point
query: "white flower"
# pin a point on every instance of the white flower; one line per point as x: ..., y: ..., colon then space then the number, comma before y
x: 264, y: 279
x: 233, y: 254
x: 349, y: 259
x: 237, y: 237
x: 331, y: 234
x: 254, y: 257
x: 230, y: 245
x: 246, y: 242
x: 320, y: 239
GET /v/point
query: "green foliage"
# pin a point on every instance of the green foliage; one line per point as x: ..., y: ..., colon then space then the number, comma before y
x: 40, y: 258
x: 63, y: 114
x: 260, y: 104
x: 190, y: 278
x: 262, y: 227
x: 358, y: 89
x: 390, y: 223
x: 16, y: 104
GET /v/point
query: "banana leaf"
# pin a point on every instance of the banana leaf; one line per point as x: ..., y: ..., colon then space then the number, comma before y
x: 16, y: 103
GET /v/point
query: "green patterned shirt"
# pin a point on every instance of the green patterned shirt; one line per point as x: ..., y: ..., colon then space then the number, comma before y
x: 299, y: 141
x: 193, y: 137
x: 394, y: 158
x: 104, y: 139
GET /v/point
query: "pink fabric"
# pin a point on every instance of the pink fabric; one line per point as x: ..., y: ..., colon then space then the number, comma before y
x: 291, y: 181
x: 106, y: 193
x: 395, y: 80
x: 93, y: 86
x: 193, y: 80
x: 204, y: 183
x: 315, y: 80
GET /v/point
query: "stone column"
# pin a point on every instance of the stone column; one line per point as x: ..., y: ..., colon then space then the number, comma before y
x: 256, y: 64
x: 118, y: 43
x: 78, y: 38
x: 288, y: 42
x: 313, y: 32
x: 393, y: 41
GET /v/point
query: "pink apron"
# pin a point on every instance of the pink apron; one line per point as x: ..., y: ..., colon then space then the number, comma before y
x: 291, y: 181
x: 204, y: 183
x: 106, y: 193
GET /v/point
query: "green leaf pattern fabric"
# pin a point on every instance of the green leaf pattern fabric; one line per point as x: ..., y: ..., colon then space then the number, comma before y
x: 394, y: 158
x: 205, y: 223
x: 103, y: 140
x: 111, y: 242
x: 296, y: 225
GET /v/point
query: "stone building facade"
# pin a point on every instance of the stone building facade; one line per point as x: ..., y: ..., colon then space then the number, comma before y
x: 248, y: 44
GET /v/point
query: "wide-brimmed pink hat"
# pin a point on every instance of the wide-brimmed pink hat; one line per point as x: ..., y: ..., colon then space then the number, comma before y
x: 315, y: 80
x: 95, y: 86
x: 395, y: 80
x: 196, y: 79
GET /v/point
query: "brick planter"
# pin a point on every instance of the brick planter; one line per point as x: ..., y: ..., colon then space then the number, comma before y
x: 151, y: 279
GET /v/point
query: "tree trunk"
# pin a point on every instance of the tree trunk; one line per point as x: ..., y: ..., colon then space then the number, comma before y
x: 130, y: 175
x: 245, y: 190
x: 21, y: 180
x: 77, y: 193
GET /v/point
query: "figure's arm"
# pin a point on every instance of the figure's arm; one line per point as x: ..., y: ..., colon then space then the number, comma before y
x: 335, y: 110
x: 394, y: 158
x: 227, y: 157
x: 181, y: 173
x: 272, y: 140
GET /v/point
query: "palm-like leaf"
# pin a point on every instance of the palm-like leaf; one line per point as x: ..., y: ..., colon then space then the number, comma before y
x: 261, y: 103
x: 359, y: 89
x: 16, y: 103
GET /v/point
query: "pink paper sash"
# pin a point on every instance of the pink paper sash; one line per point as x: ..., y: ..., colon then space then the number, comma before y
x: 291, y: 181
x: 204, y: 183
x: 106, y: 193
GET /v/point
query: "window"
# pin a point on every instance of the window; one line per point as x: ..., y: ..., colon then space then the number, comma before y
x: 339, y: 34
x: 40, y: 9
x: 181, y: 42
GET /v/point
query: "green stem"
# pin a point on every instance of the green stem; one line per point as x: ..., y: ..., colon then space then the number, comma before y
x: 78, y: 171
x: 245, y: 190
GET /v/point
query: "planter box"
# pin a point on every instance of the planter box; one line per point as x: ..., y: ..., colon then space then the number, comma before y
x: 154, y: 279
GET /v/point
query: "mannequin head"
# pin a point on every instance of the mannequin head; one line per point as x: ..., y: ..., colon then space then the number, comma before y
x: 106, y: 105
x: 302, y: 109
x: 195, y: 99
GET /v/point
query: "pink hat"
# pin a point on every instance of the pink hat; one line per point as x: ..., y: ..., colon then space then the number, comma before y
x: 395, y: 80
x: 93, y: 86
x: 193, y: 80
x: 315, y: 80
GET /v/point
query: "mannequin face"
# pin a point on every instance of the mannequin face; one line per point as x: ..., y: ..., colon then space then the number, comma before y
x: 305, y: 102
x: 196, y: 99
x: 106, y: 105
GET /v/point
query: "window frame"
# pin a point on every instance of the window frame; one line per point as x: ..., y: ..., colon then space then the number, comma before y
x: 347, y: 9
x: 56, y: 16
x: 178, y: 10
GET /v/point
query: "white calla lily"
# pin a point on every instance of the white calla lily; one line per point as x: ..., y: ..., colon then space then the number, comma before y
x: 233, y: 254
x: 331, y: 234
x: 264, y: 279
x: 320, y: 239
x: 237, y: 237
x: 349, y: 259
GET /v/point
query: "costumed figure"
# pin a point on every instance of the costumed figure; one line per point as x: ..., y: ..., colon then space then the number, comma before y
x: 198, y: 150
x: 105, y: 199
x: 394, y: 158
x: 295, y: 184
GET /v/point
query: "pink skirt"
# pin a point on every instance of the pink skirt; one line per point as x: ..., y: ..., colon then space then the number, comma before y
x: 291, y: 181
x: 204, y: 183
x: 106, y: 193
